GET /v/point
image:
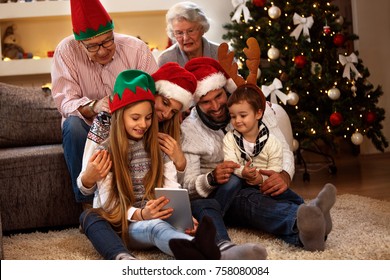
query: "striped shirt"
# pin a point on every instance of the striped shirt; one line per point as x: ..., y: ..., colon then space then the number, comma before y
x: 76, y: 80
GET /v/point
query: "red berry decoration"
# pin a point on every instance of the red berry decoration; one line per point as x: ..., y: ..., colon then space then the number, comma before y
x: 259, y: 3
x: 370, y: 117
x: 336, y: 119
x: 339, y: 40
x: 300, y: 61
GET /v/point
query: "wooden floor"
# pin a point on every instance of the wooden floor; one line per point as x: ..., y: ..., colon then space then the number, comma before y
x: 366, y: 175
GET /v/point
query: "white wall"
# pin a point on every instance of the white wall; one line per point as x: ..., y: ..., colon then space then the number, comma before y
x: 372, y: 24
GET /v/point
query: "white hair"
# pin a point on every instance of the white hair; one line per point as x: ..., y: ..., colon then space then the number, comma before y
x: 188, y: 11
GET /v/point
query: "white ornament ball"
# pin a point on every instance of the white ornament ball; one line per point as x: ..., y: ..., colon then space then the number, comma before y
x: 353, y: 88
x: 334, y: 93
x: 357, y: 138
x: 274, y: 12
x: 273, y: 53
x: 295, y: 145
x: 340, y: 20
x: 316, y: 68
x: 258, y: 74
x: 293, y: 98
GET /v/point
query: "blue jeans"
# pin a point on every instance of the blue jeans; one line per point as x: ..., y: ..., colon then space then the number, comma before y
x: 74, y: 135
x: 142, y: 235
x: 217, y: 205
x: 273, y: 214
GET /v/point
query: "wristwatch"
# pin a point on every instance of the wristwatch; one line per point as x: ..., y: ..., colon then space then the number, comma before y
x: 211, y: 179
x: 91, y: 105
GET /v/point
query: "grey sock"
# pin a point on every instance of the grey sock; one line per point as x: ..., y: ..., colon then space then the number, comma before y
x: 325, y: 201
x: 247, y: 251
x: 125, y: 256
x: 311, y: 226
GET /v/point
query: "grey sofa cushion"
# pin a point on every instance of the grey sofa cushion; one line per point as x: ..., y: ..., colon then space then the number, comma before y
x: 28, y: 117
x: 35, y: 189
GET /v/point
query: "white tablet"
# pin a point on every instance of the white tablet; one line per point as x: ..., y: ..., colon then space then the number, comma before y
x: 180, y: 202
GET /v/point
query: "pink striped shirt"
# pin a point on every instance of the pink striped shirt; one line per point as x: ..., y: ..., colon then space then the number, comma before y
x: 76, y: 80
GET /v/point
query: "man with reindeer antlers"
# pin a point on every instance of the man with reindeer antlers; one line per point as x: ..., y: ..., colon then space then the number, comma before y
x: 271, y: 207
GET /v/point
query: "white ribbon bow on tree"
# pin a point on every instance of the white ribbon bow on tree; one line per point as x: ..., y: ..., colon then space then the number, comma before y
x: 303, y: 24
x: 273, y: 89
x: 240, y: 7
x: 349, y: 61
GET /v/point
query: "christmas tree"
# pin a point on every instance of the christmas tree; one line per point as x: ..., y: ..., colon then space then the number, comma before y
x: 309, y: 67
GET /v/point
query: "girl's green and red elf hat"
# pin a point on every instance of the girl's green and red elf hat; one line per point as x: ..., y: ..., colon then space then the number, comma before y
x: 131, y: 86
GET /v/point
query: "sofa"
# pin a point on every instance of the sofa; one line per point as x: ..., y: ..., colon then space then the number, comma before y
x: 35, y: 186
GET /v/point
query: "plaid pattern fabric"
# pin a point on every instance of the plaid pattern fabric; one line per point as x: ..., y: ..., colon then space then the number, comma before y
x: 261, y: 140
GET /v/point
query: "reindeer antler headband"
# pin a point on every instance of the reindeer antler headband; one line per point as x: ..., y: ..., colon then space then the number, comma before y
x: 226, y: 60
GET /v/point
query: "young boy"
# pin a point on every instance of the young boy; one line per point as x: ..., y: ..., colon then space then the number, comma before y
x: 250, y: 144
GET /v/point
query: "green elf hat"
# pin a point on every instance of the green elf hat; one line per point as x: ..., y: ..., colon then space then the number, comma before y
x: 132, y: 86
x: 89, y: 19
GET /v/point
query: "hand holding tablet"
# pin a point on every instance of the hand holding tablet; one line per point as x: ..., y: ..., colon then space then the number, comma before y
x: 180, y: 202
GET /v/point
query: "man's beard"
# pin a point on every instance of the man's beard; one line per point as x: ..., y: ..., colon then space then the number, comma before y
x: 214, y: 123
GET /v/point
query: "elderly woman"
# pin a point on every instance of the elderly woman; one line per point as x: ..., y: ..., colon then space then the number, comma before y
x: 186, y: 25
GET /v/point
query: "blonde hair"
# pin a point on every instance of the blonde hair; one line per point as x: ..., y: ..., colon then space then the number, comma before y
x: 121, y: 196
x: 172, y: 127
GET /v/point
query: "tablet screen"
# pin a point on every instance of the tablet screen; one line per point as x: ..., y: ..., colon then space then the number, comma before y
x: 180, y: 202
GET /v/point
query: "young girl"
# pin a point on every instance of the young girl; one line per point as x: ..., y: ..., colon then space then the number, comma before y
x: 134, y: 167
x: 250, y: 144
x: 174, y: 89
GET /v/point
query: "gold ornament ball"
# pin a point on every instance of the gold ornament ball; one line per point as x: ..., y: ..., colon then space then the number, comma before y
x: 340, y: 20
x: 258, y: 74
x: 334, y: 93
x: 273, y: 53
x: 357, y: 138
x: 295, y: 145
x: 316, y: 68
x: 293, y: 98
x: 274, y: 12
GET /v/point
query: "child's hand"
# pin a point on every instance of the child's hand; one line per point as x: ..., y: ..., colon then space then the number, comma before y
x: 192, y: 231
x: 154, y: 209
x: 99, y: 165
x: 249, y: 173
x: 257, y: 180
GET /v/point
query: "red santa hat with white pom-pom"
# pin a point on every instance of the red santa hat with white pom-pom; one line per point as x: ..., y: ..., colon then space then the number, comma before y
x: 210, y: 76
x: 173, y: 81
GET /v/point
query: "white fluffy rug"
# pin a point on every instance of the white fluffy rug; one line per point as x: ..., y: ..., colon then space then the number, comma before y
x: 361, y: 231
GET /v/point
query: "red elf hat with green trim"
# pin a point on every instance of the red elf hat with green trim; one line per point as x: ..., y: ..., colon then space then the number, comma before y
x: 131, y: 86
x: 89, y: 19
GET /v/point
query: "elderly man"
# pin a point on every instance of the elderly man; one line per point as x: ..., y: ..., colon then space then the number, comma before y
x: 85, y: 67
x: 271, y: 207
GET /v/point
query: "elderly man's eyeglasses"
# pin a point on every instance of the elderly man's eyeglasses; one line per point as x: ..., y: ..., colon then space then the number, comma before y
x: 190, y: 32
x: 96, y: 47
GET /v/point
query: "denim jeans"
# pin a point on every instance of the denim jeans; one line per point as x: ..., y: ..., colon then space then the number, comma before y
x: 272, y: 214
x: 216, y: 206
x: 74, y: 135
x: 142, y: 235
x: 154, y: 233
